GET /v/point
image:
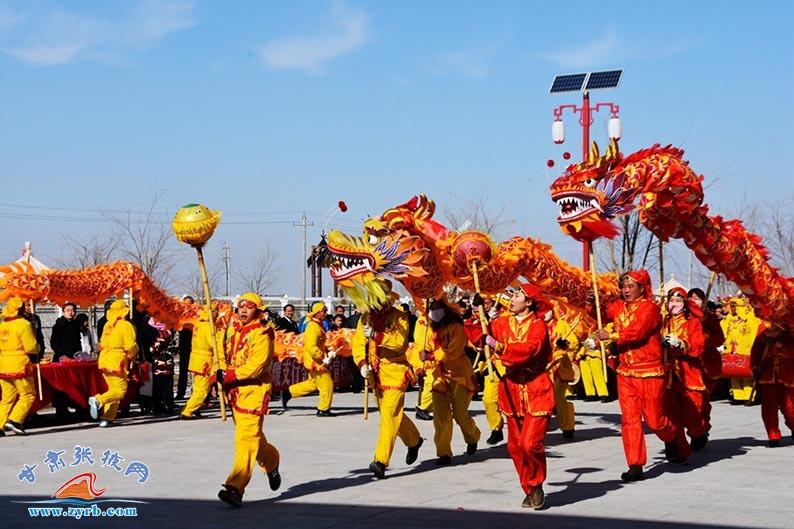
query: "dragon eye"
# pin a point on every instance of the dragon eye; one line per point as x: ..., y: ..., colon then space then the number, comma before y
x: 590, y: 182
x: 372, y: 240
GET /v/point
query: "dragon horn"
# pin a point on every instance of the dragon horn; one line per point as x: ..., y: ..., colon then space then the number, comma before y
x: 594, y: 156
x: 612, y: 151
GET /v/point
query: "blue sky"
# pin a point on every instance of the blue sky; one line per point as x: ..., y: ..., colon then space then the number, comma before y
x: 267, y: 109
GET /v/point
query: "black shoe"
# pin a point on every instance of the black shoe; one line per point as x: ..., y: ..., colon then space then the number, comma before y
x: 471, y: 449
x: 444, y: 461
x: 413, y: 452
x: 605, y: 400
x: 285, y: 398
x: 274, y: 479
x: 671, y: 453
x: 496, y: 437
x: 476, y: 397
x: 699, y: 443
x: 378, y: 469
x: 590, y: 398
x: 2, y: 433
x: 634, y: 473
x: 325, y: 413
x: 773, y: 443
x: 423, y: 415
x: 15, y: 427
x: 567, y: 434
x: 535, y: 499
x: 231, y: 496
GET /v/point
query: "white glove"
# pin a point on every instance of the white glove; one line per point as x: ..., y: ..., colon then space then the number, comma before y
x: 369, y: 332
x: 330, y: 355
x: 676, y: 342
x: 590, y: 344
x: 366, y: 371
x: 721, y: 349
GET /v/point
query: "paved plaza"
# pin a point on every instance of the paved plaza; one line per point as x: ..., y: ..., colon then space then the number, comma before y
x: 735, y: 482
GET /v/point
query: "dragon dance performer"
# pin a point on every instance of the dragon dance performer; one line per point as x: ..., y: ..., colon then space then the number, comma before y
x: 201, y: 364
x: 526, y: 393
x: 316, y: 359
x: 18, y: 346
x: 684, y: 341
x: 772, y: 361
x: 247, y: 382
x: 379, y: 349
x: 443, y: 347
x: 711, y: 359
x: 641, y: 373
x: 490, y: 393
x: 592, y: 372
x: 117, y: 349
x: 740, y: 328
x: 563, y: 341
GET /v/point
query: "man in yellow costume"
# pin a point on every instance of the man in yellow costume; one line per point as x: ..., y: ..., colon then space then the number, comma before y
x: 379, y: 347
x: 442, y: 346
x: 201, y: 363
x: 563, y: 343
x: 592, y: 371
x: 490, y: 393
x: 117, y: 348
x: 316, y: 359
x: 740, y: 328
x: 247, y: 383
x: 18, y: 346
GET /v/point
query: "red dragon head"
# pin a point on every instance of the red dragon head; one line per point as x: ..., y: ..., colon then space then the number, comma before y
x: 590, y: 194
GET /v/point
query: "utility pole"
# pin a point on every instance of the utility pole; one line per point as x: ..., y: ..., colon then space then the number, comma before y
x: 304, y: 223
x: 227, y: 261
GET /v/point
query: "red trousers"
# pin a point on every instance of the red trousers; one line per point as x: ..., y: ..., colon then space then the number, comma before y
x: 685, y: 409
x: 526, y: 446
x: 776, y: 397
x: 643, y: 398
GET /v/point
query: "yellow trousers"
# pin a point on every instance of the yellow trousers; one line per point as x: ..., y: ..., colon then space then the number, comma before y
x: 18, y: 395
x: 741, y: 388
x: 426, y: 396
x: 109, y: 400
x: 393, y: 424
x: 445, y: 408
x: 593, y: 377
x: 317, y: 381
x: 250, y: 447
x: 201, y: 388
x: 566, y: 415
x: 490, y: 396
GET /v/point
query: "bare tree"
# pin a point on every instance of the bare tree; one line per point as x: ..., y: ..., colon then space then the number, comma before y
x: 262, y: 273
x: 84, y: 252
x: 146, y: 239
x: 635, y: 247
x: 191, y: 282
x: 474, y: 212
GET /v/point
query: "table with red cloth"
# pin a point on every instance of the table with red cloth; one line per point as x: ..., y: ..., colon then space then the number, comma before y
x: 79, y: 379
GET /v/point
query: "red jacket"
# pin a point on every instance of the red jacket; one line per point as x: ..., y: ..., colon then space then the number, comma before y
x: 526, y: 388
x: 777, y: 366
x: 712, y: 359
x: 637, y: 328
x: 687, y: 361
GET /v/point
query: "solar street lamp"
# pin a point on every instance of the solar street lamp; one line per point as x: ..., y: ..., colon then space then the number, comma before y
x: 584, y: 83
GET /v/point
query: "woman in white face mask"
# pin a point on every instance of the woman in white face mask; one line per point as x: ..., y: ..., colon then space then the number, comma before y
x: 442, y: 345
x: 683, y: 340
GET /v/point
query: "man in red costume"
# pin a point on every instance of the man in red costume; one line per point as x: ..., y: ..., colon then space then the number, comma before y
x: 641, y: 372
x: 772, y: 362
x: 683, y: 341
x: 526, y: 393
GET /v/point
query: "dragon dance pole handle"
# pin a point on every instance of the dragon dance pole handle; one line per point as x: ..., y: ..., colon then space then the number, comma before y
x: 712, y: 277
x: 215, y: 362
x: 591, y: 255
x: 483, y: 325
x: 754, y: 389
x: 38, y: 379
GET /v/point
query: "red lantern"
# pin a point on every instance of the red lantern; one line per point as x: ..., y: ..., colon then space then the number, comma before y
x: 549, y: 163
x: 566, y: 155
x: 342, y: 206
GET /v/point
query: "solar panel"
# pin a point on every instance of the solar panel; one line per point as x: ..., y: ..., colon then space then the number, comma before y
x: 567, y: 83
x: 607, y: 79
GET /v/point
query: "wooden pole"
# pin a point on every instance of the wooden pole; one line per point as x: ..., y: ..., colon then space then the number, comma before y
x: 483, y: 325
x: 712, y: 277
x: 598, y: 309
x: 206, y: 284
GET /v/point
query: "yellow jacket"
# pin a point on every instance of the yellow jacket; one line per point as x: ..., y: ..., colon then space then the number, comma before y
x: 201, y: 349
x: 251, y: 352
x: 386, y: 352
x: 314, y: 348
x: 449, y: 361
x: 561, y: 358
x: 117, y: 347
x: 17, y: 341
x: 740, y: 330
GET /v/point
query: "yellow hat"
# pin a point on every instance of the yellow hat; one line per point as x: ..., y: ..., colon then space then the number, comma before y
x: 254, y: 298
x: 316, y: 307
x: 13, y: 307
x: 118, y: 310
